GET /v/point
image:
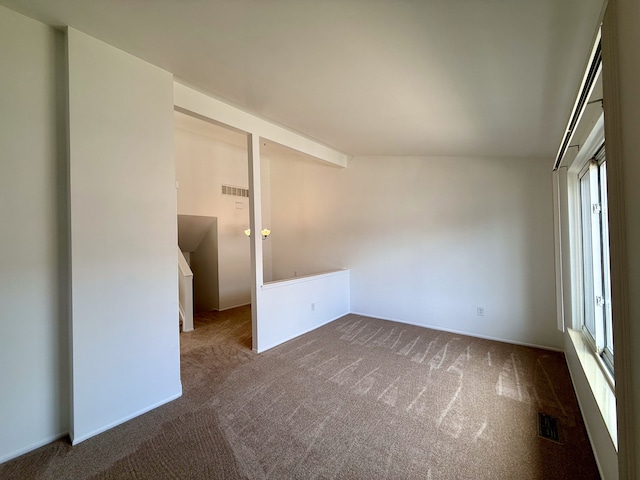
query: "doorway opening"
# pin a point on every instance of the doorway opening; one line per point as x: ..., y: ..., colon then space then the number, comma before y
x: 213, y: 213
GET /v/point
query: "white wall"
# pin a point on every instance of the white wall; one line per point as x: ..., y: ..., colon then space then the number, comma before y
x: 427, y: 240
x: 621, y: 64
x: 432, y: 239
x: 33, y: 284
x: 125, y: 344
x: 203, y: 165
x: 292, y: 307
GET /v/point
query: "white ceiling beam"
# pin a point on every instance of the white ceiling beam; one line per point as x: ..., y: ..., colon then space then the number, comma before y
x: 190, y: 100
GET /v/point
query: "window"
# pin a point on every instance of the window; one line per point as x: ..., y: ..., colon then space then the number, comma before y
x: 596, y: 280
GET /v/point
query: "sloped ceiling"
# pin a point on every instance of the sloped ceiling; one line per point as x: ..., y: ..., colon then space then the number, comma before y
x: 367, y: 77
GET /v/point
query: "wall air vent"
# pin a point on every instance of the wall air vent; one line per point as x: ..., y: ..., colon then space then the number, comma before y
x: 235, y: 191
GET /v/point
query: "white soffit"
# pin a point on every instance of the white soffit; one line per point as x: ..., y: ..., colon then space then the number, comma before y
x: 210, y: 129
x: 238, y: 139
x: 421, y: 77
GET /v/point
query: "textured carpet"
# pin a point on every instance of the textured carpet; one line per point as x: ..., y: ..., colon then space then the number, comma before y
x: 359, y: 398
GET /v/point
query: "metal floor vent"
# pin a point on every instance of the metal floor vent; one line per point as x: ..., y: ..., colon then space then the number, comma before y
x: 549, y: 427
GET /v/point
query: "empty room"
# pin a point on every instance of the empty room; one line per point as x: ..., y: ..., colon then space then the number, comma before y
x: 291, y: 239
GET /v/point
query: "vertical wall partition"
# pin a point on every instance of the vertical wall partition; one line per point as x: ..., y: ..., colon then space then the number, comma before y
x: 124, y: 307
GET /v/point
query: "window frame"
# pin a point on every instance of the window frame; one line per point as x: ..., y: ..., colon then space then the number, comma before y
x: 589, y: 162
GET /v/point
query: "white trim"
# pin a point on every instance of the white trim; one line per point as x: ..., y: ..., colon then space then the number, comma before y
x: 82, y: 438
x: 566, y: 253
x: 32, y: 446
x: 302, y: 279
x: 583, y: 85
x: 185, y: 292
x: 460, y: 332
x: 232, y: 307
x: 185, y: 269
x: 574, y: 248
x: 558, y: 242
x: 579, y: 167
x: 255, y: 225
x: 590, y: 147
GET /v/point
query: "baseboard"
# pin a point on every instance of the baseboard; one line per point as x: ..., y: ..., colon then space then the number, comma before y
x: 82, y: 438
x: 31, y: 447
x: 231, y: 307
x: 296, y: 335
x: 466, y: 334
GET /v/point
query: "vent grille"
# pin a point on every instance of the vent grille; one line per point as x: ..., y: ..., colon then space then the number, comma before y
x: 549, y: 427
x: 235, y: 191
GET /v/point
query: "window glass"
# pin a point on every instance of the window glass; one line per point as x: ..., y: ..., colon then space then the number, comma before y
x: 596, y: 279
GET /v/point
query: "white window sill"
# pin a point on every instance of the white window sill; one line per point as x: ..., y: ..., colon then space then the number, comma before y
x: 600, y: 385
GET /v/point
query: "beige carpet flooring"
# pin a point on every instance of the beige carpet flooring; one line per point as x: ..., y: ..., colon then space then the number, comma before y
x: 359, y: 398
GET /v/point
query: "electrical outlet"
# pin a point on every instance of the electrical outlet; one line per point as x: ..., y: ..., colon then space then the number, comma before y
x: 313, y: 307
x: 480, y: 311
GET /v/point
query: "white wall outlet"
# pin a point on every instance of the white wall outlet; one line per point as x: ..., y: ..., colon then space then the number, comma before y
x: 313, y: 307
x: 480, y: 311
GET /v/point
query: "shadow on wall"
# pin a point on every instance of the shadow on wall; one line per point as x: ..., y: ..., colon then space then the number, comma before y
x: 198, y: 239
x: 305, y: 206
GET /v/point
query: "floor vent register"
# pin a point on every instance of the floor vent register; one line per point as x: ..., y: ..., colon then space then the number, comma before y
x: 549, y: 427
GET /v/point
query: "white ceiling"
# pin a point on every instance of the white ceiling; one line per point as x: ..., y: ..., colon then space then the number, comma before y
x: 367, y: 77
